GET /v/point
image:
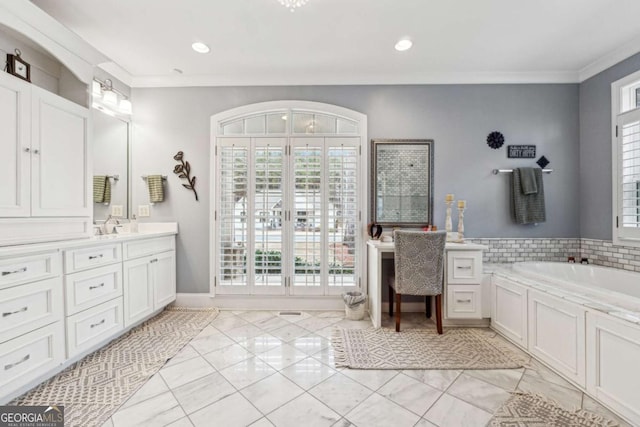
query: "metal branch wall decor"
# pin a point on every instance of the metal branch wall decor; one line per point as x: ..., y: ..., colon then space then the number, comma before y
x: 183, y: 170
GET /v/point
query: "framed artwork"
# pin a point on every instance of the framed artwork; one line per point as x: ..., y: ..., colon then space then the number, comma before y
x: 402, y: 182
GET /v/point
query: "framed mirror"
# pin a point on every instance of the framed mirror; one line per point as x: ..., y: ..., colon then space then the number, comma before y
x: 402, y: 182
x: 110, y: 162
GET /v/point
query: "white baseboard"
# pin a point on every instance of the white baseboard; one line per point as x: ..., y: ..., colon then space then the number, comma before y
x: 260, y: 302
x: 310, y: 303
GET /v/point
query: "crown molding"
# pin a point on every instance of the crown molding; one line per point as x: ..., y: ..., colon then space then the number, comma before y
x: 308, y: 79
x: 609, y: 60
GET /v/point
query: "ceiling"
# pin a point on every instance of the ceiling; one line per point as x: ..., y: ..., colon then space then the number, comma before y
x: 259, y: 42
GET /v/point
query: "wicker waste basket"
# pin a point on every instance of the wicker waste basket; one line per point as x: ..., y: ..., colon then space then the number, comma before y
x: 354, y: 305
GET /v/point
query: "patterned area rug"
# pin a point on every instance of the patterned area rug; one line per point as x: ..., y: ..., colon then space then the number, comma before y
x: 528, y: 410
x: 94, y: 387
x: 457, y: 348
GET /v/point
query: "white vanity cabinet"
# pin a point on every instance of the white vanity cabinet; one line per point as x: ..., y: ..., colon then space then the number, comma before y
x: 149, y: 277
x: 15, y: 104
x: 463, y: 284
x: 45, y: 192
x: 31, y: 318
x: 93, y: 295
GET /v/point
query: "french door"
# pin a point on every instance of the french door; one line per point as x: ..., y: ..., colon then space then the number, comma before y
x: 288, y: 215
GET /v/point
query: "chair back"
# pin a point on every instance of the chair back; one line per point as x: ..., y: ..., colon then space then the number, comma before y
x: 419, y: 262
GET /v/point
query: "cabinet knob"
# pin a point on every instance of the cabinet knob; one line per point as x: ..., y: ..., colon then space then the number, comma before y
x: 36, y: 151
x: 27, y: 150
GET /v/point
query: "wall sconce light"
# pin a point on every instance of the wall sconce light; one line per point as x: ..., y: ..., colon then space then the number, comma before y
x: 109, y: 100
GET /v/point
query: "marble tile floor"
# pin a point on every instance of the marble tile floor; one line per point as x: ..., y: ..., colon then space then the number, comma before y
x: 260, y: 368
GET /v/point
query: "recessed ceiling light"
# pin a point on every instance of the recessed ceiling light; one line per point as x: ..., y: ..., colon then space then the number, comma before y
x: 404, y: 44
x: 200, y: 47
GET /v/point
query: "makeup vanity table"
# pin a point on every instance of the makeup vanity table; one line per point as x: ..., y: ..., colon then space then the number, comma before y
x: 463, y: 280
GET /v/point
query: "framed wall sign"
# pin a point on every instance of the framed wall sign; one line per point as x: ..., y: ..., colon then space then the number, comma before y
x: 521, y: 151
x: 18, y: 67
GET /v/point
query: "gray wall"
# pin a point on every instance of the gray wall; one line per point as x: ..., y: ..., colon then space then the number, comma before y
x: 457, y: 117
x: 595, y: 149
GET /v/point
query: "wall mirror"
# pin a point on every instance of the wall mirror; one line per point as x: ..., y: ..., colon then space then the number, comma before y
x: 402, y: 181
x: 111, y: 160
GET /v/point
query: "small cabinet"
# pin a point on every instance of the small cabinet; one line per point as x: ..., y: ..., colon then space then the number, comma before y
x: 15, y: 175
x: 93, y: 326
x: 509, y: 310
x: 29, y: 268
x: 86, y: 289
x: 29, y: 356
x: 464, y: 267
x: 463, y: 302
x: 463, y: 293
x: 46, y: 163
x: 91, y: 257
x: 28, y: 307
x: 149, y: 281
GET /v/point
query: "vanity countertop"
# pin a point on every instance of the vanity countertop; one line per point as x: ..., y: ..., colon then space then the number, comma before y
x: 451, y: 246
x: 145, y: 231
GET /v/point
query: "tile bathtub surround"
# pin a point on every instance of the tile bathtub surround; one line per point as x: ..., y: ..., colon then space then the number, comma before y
x: 605, y: 253
x: 599, y: 252
x: 261, y: 369
x: 508, y: 250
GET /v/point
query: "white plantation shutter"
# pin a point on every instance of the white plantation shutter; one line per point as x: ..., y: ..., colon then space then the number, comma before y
x: 287, y: 198
x: 628, y: 168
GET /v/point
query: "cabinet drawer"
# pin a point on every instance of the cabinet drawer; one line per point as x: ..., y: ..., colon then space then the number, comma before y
x: 464, y: 267
x: 138, y: 248
x: 464, y: 302
x: 15, y: 271
x: 29, y: 356
x: 93, y: 326
x: 89, y: 288
x: 84, y: 258
x: 28, y: 307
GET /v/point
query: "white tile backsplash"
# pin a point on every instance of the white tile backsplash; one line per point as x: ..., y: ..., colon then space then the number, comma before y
x: 598, y: 252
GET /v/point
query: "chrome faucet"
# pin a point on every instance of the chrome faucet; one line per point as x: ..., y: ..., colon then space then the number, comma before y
x: 107, y: 225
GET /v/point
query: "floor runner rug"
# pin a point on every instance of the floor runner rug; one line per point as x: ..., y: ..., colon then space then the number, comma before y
x: 457, y: 348
x: 529, y: 410
x: 96, y: 386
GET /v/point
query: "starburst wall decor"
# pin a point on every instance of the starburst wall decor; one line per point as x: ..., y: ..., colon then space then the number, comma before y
x: 495, y: 140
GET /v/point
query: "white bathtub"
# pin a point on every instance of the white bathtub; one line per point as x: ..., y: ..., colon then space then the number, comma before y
x: 581, y: 320
x: 609, y: 285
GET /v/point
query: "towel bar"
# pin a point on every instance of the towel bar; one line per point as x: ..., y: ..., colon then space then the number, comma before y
x: 497, y: 171
x: 114, y: 177
x: 164, y: 177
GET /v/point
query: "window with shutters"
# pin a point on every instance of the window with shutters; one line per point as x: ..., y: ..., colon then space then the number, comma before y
x: 626, y: 160
x: 289, y: 187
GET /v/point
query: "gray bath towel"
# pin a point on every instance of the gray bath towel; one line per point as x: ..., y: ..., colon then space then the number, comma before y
x: 528, y: 180
x: 527, y: 208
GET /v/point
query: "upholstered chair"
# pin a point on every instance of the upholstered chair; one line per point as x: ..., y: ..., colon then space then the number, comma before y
x: 419, y: 270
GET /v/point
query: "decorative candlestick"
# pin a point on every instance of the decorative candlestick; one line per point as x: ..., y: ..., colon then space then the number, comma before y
x: 448, y: 226
x: 461, y: 207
